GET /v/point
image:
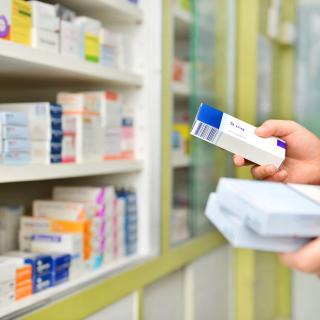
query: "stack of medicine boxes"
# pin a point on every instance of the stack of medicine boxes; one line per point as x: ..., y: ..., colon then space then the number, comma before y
x: 42, y: 234
x: 102, y: 200
x: 81, y: 127
x: 7, y: 282
x: 130, y: 222
x: 45, y: 125
x: 67, y: 217
x: 47, y: 269
x: 45, y: 27
x: 15, y: 140
x: 23, y: 277
x: 109, y: 105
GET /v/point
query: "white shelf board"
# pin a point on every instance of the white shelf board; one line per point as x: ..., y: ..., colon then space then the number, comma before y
x: 181, y: 90
x: 107, y: 11
x: 50, y: 295
x: 18, y: 61
x: 182, y: 22
x: 180, y: 161
x: 66, y: 170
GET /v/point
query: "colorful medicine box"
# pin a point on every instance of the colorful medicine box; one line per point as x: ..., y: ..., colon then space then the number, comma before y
x: 238, y: 137
x: 90, y: 33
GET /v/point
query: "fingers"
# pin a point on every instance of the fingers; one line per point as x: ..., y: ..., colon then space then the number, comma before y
x: 277, y: 128
x: 240, y: 161
x: 263, y: 172
x: 307, y: 259
x: 269, y: 173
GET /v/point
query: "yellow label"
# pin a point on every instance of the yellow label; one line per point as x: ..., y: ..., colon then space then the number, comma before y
x: 21, y: 22
x: 183, y: 129
x: 91, y: 47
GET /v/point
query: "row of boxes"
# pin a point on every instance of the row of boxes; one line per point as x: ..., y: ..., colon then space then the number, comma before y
x: 96, y: 127
x: 30, y: 132
x: 82, y: 127
x: 23, y: 274
x: 57, y: 29
x: 80, y: 230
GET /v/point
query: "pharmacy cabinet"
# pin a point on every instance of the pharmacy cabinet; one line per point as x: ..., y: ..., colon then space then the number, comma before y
x: 164, y: 299
x: 207, y: 286
x: 125, y: 308
x: 305, y: 293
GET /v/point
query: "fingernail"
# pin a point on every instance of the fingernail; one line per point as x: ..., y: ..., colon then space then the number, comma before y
x: 283, y: 174
x: 271, y: 169
x: 261, y: 130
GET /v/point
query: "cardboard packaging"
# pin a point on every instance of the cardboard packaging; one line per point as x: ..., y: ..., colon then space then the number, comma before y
x: 44, y: 16
x: 90, y: 33
x: 241, y: 236
x: 237, y: 136
x: 269, y: 208
x: 70, y: 39
x: 45, y: 40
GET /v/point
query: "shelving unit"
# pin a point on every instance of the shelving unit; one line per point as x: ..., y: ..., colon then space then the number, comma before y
x: 107, y: 10
x: 90, y: 278
x: 61, y: 171
x: 152, y: 94
x: 50, y: 73
x: 17, y: 61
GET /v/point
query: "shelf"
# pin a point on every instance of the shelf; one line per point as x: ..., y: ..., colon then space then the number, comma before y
x: 60, y: 171
x: 181, y: 90
x: 22, y: 62
x: 50, y: 295
x: 182, y: 22
x: 107, y: 11
x: 180, y: 161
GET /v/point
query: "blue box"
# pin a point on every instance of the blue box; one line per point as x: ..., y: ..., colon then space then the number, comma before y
x: 42, y: 282
x: 55, y: 110
x: 60, y: 277
x: 60, y: 262
x: 56, y: 135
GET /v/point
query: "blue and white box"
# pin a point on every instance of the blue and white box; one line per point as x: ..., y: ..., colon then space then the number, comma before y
x: 14, y: 132
x: 241, y: 236
x: 270, y: 208
x: 238, y: 137
x: 42, y: 282
x: 41, y: 263
x: 13, y: 118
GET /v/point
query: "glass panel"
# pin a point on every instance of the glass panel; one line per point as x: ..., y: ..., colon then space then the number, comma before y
x: 308, y: 65
x: 200, y: 70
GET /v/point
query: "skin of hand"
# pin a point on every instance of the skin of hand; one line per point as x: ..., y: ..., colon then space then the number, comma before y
x: 302, y: 165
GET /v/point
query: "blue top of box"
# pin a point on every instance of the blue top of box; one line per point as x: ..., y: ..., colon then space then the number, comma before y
x: 209, y: 115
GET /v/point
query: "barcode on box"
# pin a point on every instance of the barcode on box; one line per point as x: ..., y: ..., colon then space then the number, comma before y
x: 204, y: 131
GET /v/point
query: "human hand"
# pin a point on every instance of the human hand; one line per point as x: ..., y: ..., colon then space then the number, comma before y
x: 302, y: 163
x: 307, y: 259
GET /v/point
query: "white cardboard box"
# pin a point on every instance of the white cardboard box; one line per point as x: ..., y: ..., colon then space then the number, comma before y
x: 241, y: 236
x: 44, y: 16
x: 45, y: 40
x: 237, y: 136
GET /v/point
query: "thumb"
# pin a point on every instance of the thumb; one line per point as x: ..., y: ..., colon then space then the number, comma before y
x: 277, y: 128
